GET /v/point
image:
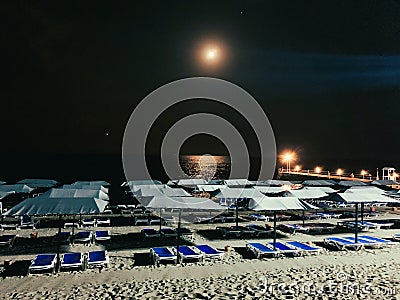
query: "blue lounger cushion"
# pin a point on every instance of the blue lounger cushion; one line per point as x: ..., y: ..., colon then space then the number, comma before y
x: 372, y: 238
x: 163, y: 252
x: 43, y: 260
x: 187, y: 251
x: 72, y: 258
x: 98, y: 257
x: 282, y: 247
x: 262, y: 248
x: 340, y: 240
x: 303, y: 246
x: 208, y: 250
x: 83, y: 235
x: 361, y: 240
x: 102, y: 234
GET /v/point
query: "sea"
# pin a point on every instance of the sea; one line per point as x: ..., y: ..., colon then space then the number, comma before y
x: 68, y: 168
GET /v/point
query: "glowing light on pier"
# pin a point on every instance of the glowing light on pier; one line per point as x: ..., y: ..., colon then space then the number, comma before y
x: 318, y: 170
x: 287, y: 158
x: 363, y: 173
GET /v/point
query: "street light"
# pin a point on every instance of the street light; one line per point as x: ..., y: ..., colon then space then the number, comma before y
x: 287, y: 158
x: 297, y: 168
x: 363, y: 173
x: 318, y: 170
x: 340, y: 173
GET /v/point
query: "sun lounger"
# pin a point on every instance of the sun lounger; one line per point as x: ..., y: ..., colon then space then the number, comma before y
x: 312, y: 216
x: 228, y: 219
x: 209, y: 251
x: 259, y: 230
x: 88, y: 222
x: 64, y: 237
x: 202, y: 219
x: 244, y: 230
x: 293, y: 228
x: 377, y: 225
x: 155, y: 221
x: 7, y: 240
x: 258, y: 217
x: 232, y: 230
x: 282, y: 217
x: 352, y: 226
x: 305, y: 248
x: 102, y: 235
x: 186, y: 232
x: 149, y: 233
x: 27, y: 222
x: 98, y: 258
x: 324, y: 215
x: 376, y: 239
x: 160, y: 254
x: 168, y: 232
x: 103, y: 222
x: 10, y: 226
x: 72, y: 260
x: 188, y: 252
x: 366, y: 243
x: 284, y: 248
x: 72, y: 224
x: 330, y: 215
x: 83, y: 237
x: 169, y: 219
x: 321, y: 227
x: 342, y: 244
x: 141, y: 221
x: 396, y: 237
x: 259, y: 250
x: 43, y: 262
x: 237, y: 231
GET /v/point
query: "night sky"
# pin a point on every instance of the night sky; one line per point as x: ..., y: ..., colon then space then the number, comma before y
x: 327, y: 74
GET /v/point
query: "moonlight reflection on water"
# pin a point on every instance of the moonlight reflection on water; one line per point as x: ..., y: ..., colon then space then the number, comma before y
x: 206, y: 166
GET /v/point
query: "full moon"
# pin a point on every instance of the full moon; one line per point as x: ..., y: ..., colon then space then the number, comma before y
x: 211, y: 54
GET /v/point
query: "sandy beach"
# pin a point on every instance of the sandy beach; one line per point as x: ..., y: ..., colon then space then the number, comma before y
x: 365, y: 274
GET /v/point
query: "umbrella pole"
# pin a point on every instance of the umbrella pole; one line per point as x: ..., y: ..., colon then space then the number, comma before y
x: 274, y: 229
x: 237, y: 213
x: 58, y: 242
x: 362, y: 213
x: 356, y: 227
x: 160, y: 223
x: 178, y: 236
x: 304, y: 217
x: 73, y: 225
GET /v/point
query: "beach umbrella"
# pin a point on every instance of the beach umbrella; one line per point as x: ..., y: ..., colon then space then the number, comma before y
x: 362, y: 196
x: 180, y: 204
x: 43, y: 205
x: 276, y: 204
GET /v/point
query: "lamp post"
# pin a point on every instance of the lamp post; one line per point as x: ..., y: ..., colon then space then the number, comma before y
x: 363, y: 173
x: 318, y: 170
x: 340, y: 173
x: 287, y: 158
